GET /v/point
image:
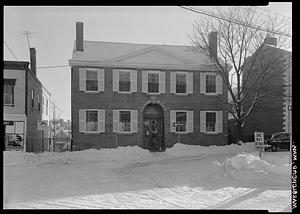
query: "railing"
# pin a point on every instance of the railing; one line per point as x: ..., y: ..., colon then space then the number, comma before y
x: 48, y: 144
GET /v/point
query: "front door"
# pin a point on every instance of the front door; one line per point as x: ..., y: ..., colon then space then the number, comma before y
x: 153, y: 128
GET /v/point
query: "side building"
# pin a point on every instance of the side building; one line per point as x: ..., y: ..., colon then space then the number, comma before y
x: 273, y: 112
x: 148, y: 95
x: 25, y: 102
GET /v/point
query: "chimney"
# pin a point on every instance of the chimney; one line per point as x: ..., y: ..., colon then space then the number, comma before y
x: 33, y: 60
x: 270, y: 41
x: 213, y: 43
x: 79, y: 36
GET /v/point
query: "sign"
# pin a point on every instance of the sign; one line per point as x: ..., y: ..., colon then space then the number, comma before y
x: 259, y: 141
x: 42, y: 125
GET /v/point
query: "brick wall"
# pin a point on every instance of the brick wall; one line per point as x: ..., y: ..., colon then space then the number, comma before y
x: 110, y: 100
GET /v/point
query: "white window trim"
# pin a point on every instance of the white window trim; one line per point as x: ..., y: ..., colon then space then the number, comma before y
x: 92, y: 132
x: 153, y: 72
x: 186, y: 111
x: 125, y: 70
x: 210, y: 132
x: 186, y: 74
x: 122, y: 132
x: 92, y: 69
x: 211, y: 93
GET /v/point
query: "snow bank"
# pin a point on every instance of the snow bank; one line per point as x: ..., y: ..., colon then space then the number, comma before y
x: 189, y: 150
x: 129, y: 153
x: 249, y: 168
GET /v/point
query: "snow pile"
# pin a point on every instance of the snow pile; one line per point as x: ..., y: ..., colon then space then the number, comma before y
x: 179, y: 150
x: 129, y: 153
x: 249, y: 168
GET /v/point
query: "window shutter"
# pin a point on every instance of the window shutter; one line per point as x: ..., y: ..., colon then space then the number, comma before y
x: 202, y: 121
x: 115, y: 120
x: 115, y: 80
x: 162, y: 82
x: 101, y: 120
x: 144, y: 81
x: 172, y: 82
x: 82, y: 82
x: 82, y: 120
x: 101, y: 80
x: 133, y: 121
x: 189, y: 82
x: 202, y: 83
x: 172, y: 120
x: 219, y: 121
x: 133, y: 81
x: 190, y: 121
x: 219, y: 85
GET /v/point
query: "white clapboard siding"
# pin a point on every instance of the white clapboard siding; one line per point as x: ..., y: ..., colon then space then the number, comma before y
x: 189, y: 82
x: 162, y: 82
x: 133, y: 81
x: 115, y: 80
x: 202, y: 83
x: 190, y: 121
x: 133, y: 121
x: 82, y: 120
x: 202, y: 121
x: 172, y: 82
x: 82, y: 77
x: 101, y: 120
x: 101, y: 78
x: 115, y: 120
x: 219, y: 120
x: 144, y: 81
x: 172, y: 120
x: 219, y: 84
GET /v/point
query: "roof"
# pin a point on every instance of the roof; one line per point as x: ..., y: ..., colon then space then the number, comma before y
x: 130, y: 53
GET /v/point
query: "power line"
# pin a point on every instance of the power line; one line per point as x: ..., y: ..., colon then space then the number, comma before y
x: 33, y: 81
x: 54, y: 66
x: 288, y: 17
x: 232, y: 21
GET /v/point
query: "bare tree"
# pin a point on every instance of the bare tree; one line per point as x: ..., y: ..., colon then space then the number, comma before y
x: 242, y: 60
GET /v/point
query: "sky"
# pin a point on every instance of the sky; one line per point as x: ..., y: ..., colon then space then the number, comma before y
x: 52, y: 34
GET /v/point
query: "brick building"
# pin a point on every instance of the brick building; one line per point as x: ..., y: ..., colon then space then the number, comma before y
x: 133, y: 94
x: 272, y: 114
x: 25, y: 101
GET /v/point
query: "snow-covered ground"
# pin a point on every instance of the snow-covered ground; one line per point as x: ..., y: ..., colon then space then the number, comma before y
x: 183, y: 177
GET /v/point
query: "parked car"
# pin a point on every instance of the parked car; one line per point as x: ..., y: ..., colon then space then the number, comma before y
x: 279, y: 140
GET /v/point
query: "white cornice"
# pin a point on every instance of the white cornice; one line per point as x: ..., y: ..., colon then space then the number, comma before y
x: 192, y: 67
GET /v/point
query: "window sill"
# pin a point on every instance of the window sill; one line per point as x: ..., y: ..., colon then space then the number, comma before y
x: 211, y: 94
x: 92, y: 92
x: 152, y: 93
x: 124, y: 92
x: 11, y: 105
x: 211, y: 133
x: 92, y: 132
x: 181, y: 94
x: 182, y: 132
x: 125, y: 133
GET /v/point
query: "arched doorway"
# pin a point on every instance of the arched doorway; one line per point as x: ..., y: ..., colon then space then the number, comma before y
x: 153, y: 130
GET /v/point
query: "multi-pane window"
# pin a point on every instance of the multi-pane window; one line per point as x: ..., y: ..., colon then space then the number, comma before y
x: 91, y: 80
x: 8, y: 92
x: 153, y: 82
x: 210, y: 121
x: 32, y: 98
x: 124, y: 81
x: 91, y: 120
x: 124, y: 121
x: 210, y: 83
x: 181, y: 121
x: 180, y: 83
